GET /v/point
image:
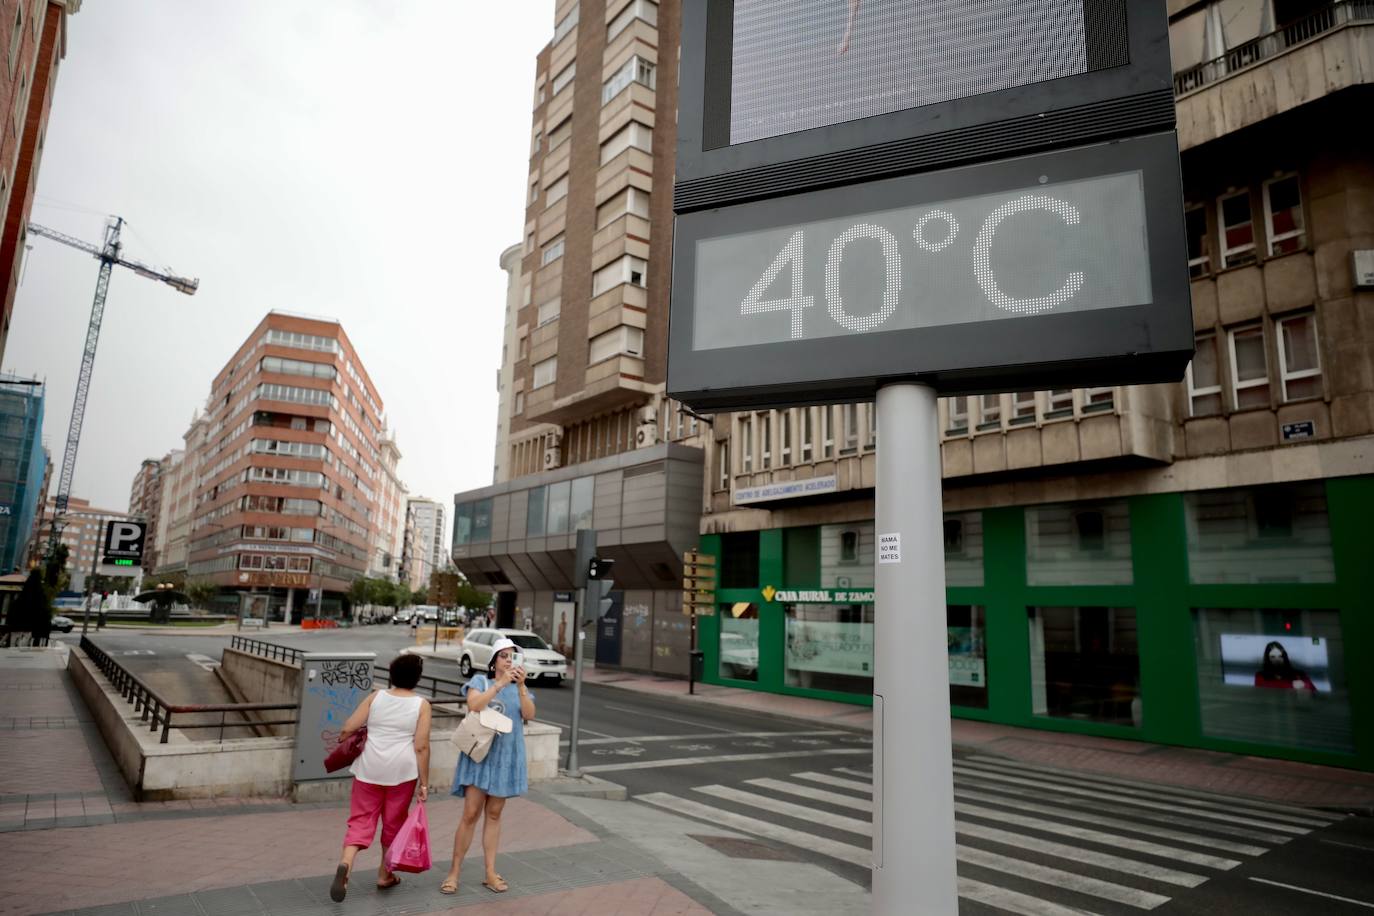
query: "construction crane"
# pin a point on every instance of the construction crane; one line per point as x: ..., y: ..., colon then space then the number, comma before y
x: 108, y: 255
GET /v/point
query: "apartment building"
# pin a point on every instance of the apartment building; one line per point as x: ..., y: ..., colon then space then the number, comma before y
x: 388, y: 545
x: 145, y: 502
x: 1122, y: 561
x: 176, y: 505
x: 511, y: 260
x: 82, y: 533
x: 23, y: 467
x: 33, y: 34
x: 589, y: 359
x: 287, y: 471
x: 426, y: 553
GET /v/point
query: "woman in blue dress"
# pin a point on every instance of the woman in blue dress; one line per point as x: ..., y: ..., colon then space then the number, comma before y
x: 484, y: 787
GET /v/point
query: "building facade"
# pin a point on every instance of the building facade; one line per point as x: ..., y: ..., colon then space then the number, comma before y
x: 145, y: 502
x: 33, y: 33
x: 391, y: 514
x: 82, y: 533
x: 288, y: 471
x: 511, y: 260
x: 1142, y: 562
x: 425, y: 521
x: 23, y: 468
x: 588, y: 445
x: 181, y: 469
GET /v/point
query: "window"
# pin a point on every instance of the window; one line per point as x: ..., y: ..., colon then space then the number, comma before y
x: 1079, y: 544
x: 297, y: 367
x: 746, y: 439
x: 1098, y: 399
x: 1199, y: 245
x: 958, y: 415
x: 785, y: 437
x: 807, y: 433
x: 627, y: 269
x: 545, y: 372
x: 622, y: 339
x: 568, y: 23
x: 872, y: 410
x: 1061, y: 402
x: 1023, y: 407
x: 1085, y: 664
x: 1260, y: 535
x: 630, y: 200
x: 990, y: 411
x: 966, y: 626
x: 829, y: 647
x: 556, y: 192
x: 723, y: 465
x: 561, y: 132
x: 549, y: 310
x: 534, y: 513
x: 1249, y: 367
x: 560, y: 496
x: 963, y: 534
x: 827, y: 431
x: 16, y: 36
x: 1283, y: 214
x: 1299, y: 364
x: 564, y: 77
x: 739, y: 642
x: 766, y: 439
x: 638, y: 9
x: 1204, y: 381
x: 580, y: 513
x: 552, y: 252
x: 1237, y: 230
x: 849, y: 416
x: 635, y: 70
x: 634, y: 135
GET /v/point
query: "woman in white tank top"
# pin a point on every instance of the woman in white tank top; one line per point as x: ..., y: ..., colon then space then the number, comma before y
x: 385, y: 775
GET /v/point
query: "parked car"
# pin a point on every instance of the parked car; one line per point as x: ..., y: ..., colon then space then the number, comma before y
x: 403, y: 615
x: 64, y: 624
x: 542, y: 663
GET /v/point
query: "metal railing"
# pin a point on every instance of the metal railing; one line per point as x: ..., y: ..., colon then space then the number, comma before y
x: 1326, y: 19
x: 157, y: 709
x: 267, y: 649
x: 445, y: 694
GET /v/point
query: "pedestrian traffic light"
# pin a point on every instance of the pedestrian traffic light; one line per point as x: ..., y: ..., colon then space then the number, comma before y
x: 599, y: 596
x: 599, y: 568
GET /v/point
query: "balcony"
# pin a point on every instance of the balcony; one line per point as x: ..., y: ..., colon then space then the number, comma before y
x: 1323, y: 52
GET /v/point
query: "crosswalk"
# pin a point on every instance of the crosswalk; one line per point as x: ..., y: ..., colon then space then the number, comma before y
x: 1030, y: 840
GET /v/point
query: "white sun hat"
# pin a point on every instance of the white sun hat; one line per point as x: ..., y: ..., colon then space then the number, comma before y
x: 502, y: 643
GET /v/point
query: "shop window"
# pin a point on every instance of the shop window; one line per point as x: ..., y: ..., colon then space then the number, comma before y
x: 801, y: 557
x: 534, y: 513
x: 966, y: 628
x: 1199, y: 245
x: 829, y: 647
x: 739, y: 560
x: 1276, y: 533
x: 1249, y: 367
x: 1283, y: 214
x: 1079, y: 545
x: 1273, y: 677
x: 1085, y: 664
x: 1204, y: 382
x: 1237, y: 229
x: 739, y: 641
x: 847, y: 555
x: 964, y: 550
x: 1299, y: 365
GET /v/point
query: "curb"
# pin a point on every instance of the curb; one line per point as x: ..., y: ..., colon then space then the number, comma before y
x: 584, y: 786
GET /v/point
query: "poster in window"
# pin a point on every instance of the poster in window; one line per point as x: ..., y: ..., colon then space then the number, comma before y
x: 1283, y: 662
x: 830, y: 646
x: 967, y: 657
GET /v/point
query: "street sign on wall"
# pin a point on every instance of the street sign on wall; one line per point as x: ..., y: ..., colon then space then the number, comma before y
x: 981, y: 267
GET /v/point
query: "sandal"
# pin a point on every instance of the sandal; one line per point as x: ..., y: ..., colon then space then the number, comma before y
x: 449, y: 887
x: 497, y: 886
x: 392, y: 882
x: 339, y: 889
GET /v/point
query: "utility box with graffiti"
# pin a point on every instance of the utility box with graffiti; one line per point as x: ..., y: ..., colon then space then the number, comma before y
x: 332, y: 686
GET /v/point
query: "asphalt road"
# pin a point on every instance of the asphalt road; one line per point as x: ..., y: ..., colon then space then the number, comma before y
x: 1031, y: 840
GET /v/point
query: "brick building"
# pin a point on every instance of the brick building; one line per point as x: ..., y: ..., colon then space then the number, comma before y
x: 145, y: 502
x: 83, y: 531
x: 33, y: 34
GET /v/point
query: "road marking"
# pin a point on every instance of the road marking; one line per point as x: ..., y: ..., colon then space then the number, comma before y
x: 1088, y: 817
x: 644, y: 739
x: 1230, y: 802
x: 862, y: 774
x: 854, y: 855
x: 1080, y: 854
x: 1012, y: 901
x: 204, y: 661
x: 1217, y: 803
x: 830, y: 798
x: 1360, y: 846
x: 719, y: 758
x: 654, y: 715
x: 1308, y: 890
x: 1057, y: 877
x: 788, y: 809
x: 580, y: 728
x: 1118, y: 795
x: 1135, y: 814
x: 836, y: 781
x: 1098, y: 836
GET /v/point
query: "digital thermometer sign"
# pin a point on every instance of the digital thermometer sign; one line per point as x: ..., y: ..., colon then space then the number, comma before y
x: 979, y: 278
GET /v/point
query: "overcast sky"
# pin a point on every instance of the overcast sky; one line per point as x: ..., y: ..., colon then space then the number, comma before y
x: 357, y: 160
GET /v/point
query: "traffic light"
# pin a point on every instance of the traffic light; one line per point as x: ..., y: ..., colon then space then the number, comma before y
x: 599, y: 585
x: 599, y: 568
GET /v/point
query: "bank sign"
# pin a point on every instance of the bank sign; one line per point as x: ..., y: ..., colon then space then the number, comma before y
x: 834, y: 233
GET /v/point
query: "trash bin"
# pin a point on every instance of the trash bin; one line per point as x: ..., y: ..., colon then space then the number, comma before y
x: 698, y: 663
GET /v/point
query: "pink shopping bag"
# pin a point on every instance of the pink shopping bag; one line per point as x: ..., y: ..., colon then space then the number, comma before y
x: 410, y: 850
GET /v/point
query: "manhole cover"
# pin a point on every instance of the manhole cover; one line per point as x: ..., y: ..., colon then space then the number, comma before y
x: 737, y: 848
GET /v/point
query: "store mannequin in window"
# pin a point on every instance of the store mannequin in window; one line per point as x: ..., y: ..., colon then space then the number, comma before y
x: 1278, y: 672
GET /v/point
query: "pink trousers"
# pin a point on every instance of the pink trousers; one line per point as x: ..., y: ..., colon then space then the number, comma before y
x: 370, y: 801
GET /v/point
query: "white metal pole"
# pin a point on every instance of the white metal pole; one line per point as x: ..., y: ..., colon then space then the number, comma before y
x: 578, y: 639
x: 913, y: 810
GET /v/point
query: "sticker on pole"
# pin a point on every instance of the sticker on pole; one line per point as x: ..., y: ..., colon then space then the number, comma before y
x: 890, y: 548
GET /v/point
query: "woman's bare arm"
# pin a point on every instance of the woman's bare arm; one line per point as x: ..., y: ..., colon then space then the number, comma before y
x: 359, y: 717
x: 422, y: 748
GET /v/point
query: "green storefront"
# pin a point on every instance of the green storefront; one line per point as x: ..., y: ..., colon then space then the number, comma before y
x: 1150, y: 617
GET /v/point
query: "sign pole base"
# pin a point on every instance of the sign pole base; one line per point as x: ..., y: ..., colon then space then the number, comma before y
x: 913, y: 813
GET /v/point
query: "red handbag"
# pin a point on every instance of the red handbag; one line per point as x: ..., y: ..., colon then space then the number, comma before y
x: 346, y: 751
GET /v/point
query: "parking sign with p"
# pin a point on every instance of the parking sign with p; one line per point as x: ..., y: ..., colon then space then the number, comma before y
x: 122, y: 550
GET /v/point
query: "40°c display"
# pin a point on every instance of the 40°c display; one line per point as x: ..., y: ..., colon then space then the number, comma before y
x: 1051, y: 248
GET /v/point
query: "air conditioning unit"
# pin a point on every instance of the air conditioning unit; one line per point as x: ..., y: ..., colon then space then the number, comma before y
x: 647, y: 434
x: 553, y: 457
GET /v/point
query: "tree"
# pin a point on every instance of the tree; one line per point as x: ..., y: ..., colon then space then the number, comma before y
x: 471, y: 597
x: 420, y: 596
x: 202, y: 592
x: 360, y: 591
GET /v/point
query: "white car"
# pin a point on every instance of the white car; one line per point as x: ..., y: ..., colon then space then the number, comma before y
x: 542, y: 663
x: 63, y: 624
